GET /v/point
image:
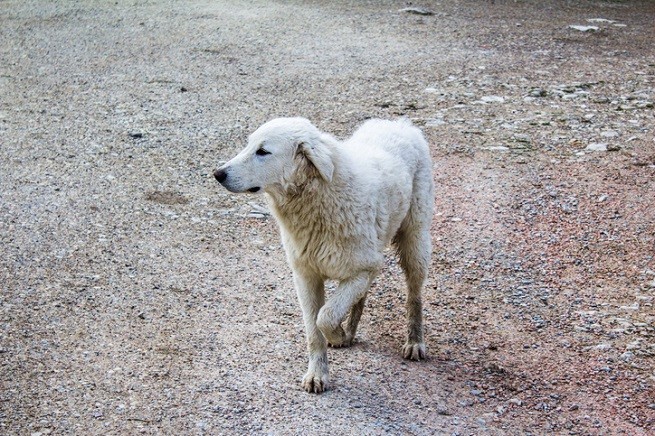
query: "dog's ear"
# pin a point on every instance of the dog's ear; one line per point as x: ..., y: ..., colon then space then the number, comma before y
x: 319, y: 156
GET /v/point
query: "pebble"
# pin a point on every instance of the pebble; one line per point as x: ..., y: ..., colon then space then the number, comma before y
x: 596, y: 146
x: 442, y: 410
x: 520, y: 137
x: 538, y: 92
x: 496, y: 148
x: 600, y: 347
x: 417, y: 11
x: 634, y: 306
x: 600, y: 20
x: 627, y: 356
x: 584, y: 28
x: 492, y: 99
x: 609, y: 134
x: 434, y: 122
x: 516, y: 402
x: 257, y: 208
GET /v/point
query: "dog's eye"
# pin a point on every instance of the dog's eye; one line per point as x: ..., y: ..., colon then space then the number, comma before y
x: 262, y: 152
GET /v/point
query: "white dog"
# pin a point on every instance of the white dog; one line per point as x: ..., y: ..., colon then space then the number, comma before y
x: 338, y: 205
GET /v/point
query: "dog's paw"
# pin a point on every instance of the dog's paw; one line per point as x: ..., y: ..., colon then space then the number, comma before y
x: 414, y: 351
x: 345, y: 341
x: 336, y: 337
x: 315, y: 382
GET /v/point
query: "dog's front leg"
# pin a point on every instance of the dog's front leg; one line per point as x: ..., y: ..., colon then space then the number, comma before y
x: 311, y: 294
x: 349, y: 293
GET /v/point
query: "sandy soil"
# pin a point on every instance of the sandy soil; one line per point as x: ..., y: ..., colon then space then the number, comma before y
x: 139, y: 297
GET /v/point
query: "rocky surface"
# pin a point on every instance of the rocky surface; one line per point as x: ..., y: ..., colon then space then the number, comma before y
x: 139, y: 297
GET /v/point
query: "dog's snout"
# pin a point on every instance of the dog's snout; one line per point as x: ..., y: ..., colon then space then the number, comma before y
x: 220, y: 175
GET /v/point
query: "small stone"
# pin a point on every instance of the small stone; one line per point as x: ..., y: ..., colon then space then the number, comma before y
x: 538, y: 92
x: 594, y: 146
x: 136, y: 135
x: 496, y: 148
x: 627, y: 356
x: 573, y: 407
x: 600, y: 347
x: 516, y: 402
x: 417, y: 11
x: 492, y: 99
x: 521, y: 137
x: 434, y: 122
x: 602, y: 198
x: 576, y: 143
x: 599, y: 20
x: 584, y: 28
x: 613, y: 147
x: 256, y: 215
x: 442, y: 410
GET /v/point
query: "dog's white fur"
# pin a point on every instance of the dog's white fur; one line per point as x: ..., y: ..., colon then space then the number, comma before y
x: 338, y: 205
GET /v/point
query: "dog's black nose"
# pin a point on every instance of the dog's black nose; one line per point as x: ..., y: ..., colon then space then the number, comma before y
x: 220, y: 175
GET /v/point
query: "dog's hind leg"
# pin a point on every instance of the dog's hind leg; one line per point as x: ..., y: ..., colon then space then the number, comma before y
x: 311, y: 294
x: 414, y: 249
x: 353, y: 320
x: 350, y: 295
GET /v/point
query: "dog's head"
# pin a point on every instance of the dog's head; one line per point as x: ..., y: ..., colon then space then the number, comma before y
x: 281, y: 153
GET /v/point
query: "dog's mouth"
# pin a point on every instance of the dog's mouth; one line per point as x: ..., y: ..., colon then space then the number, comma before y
x: 255, y: 189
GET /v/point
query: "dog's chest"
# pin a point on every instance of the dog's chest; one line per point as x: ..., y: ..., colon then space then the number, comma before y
x: 326, y: 245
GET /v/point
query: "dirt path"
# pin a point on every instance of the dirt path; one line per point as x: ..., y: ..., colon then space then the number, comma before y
x: 138, y: 297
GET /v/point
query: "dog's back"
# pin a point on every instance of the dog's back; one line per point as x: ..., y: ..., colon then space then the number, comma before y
x: 399, y: 138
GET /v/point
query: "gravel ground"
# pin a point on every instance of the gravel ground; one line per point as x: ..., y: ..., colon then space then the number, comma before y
x: 139, y: 297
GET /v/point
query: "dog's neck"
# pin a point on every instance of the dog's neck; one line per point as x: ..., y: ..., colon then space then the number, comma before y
x: 290, y: 197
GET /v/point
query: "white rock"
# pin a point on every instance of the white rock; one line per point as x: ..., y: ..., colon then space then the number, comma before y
x: 492, y: 99
x: 434, y: 122
x: 596, y: 147
x: 258, y: 209
x: 609, y: 134
x: 634, y: 306
x: 600, y: 347
x: 600, y: 20
x: 496, y: 148
x: 584, y: 28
